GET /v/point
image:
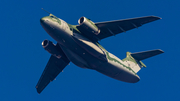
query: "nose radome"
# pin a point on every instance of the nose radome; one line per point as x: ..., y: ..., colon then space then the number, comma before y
x: 42, y: 19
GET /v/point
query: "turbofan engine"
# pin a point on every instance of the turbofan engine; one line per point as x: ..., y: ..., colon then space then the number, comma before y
x: 88, y: 25
x: 51, y: 48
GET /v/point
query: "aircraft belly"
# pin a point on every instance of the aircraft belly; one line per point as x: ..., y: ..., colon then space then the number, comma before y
x: 118, y: 72
x: 90, y: 56
x: 89, y: 46
x: 76, y: 59
x: 82, y: 58
x: 124, y: 74
x: 77, y: 55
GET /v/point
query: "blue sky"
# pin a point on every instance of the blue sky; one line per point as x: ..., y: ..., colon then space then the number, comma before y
x: 23, y: 59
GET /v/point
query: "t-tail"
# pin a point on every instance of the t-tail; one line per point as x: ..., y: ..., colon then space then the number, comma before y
x: 133, y: 60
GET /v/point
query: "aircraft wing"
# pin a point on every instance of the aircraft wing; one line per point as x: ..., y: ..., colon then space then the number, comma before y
x: 52, y: 69
x: 111, y: 28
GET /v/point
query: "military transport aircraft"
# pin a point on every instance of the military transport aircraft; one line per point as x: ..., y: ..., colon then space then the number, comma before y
x: 79, y: 44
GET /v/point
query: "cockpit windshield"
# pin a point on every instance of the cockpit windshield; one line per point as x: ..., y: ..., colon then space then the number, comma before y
x: 51, y: 15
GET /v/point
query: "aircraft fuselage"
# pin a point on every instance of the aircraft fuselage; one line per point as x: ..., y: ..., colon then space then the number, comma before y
x: 85, y: 53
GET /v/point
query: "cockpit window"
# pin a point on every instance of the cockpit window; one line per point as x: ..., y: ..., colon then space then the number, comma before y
x: 51, y: 15
x: 54, y: 18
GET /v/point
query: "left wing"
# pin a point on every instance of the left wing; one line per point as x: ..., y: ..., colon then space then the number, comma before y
x: 111, y: 28
x: 52, y: 69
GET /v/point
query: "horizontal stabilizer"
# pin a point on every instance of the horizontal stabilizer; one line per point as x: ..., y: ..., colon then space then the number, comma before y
x: 146, y: 54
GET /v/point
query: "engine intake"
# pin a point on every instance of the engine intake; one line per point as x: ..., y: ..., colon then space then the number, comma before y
x: 89, y: 25
x: 51, y: 48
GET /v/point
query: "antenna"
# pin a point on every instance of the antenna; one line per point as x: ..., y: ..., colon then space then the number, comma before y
x: 45, y: 10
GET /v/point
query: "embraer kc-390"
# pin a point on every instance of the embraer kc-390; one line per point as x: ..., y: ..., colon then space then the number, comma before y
x: 79, y: 44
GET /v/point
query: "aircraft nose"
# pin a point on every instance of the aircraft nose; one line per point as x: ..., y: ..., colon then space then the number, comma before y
x: 42, y: 19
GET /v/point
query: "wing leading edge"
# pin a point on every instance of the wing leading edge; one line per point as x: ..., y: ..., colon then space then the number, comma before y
x: 52, y: 69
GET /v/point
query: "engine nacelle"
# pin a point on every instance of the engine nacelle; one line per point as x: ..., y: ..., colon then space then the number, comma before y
x: 89, y: 25
x: 51, y: 48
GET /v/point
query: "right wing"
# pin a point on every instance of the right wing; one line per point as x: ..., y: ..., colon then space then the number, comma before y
x: 52, y: 69
x: 111, y: 28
